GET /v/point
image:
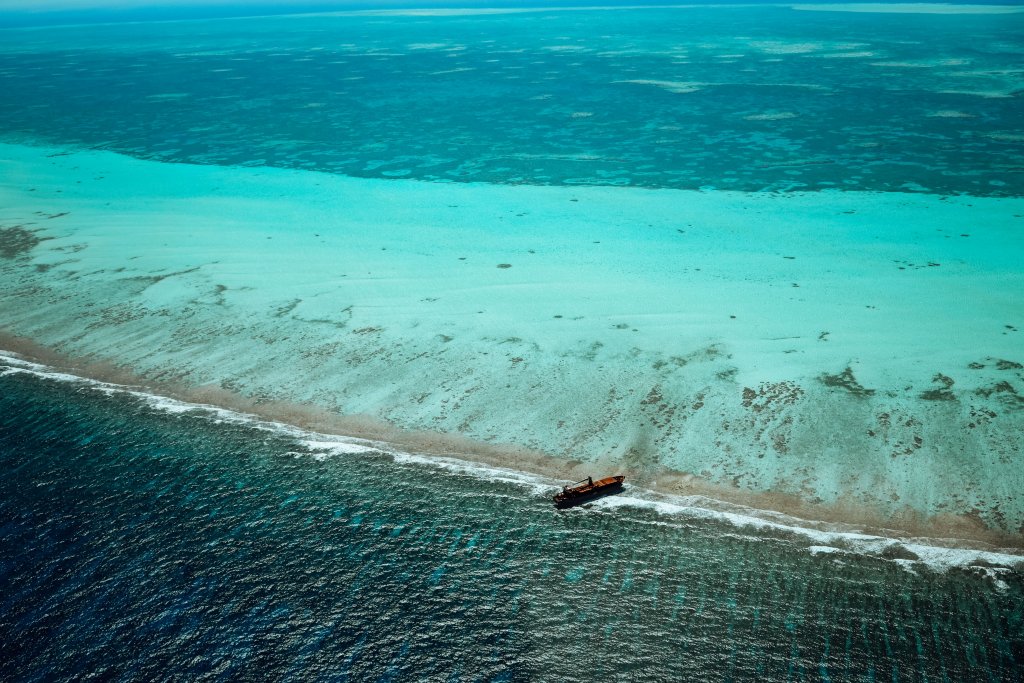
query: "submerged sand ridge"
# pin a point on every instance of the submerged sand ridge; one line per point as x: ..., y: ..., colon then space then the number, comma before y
x: 854, y: 350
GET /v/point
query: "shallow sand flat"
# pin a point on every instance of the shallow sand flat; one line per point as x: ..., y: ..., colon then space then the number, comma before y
x: 859, y: 350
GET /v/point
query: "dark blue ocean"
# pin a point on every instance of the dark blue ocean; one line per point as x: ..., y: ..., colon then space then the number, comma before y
x: 143, y: 545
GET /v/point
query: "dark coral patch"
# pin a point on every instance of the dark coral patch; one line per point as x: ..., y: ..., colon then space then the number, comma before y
x: 942, y: 392
x: 1005, y: 392
x: 16, y: 240
x: 846, y: 380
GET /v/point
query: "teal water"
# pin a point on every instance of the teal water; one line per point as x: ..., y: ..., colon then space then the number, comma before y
x: 748, y: 98
x: 811, y: 288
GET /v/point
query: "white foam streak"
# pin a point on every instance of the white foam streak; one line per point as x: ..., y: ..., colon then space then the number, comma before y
x: 319, y: 442
x: 537, y: 484
x: 322, y: 449
x: 990, y: 564
x: 899, y: 551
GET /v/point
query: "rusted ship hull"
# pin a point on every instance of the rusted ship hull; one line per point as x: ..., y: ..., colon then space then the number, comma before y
x: 588, y: 490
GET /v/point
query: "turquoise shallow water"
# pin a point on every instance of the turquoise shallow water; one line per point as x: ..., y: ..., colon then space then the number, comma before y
x: 853, y: 350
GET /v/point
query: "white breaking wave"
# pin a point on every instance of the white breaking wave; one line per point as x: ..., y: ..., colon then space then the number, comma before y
x: 908, y: 553
x: 536, y: 483
x: 319, y: 443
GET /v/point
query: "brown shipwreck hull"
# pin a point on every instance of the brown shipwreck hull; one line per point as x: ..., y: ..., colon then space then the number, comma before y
x: 588, y: 490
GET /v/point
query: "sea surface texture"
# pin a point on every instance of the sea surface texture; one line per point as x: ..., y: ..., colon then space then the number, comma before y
x: 174, y: 544
x: 303, y: 319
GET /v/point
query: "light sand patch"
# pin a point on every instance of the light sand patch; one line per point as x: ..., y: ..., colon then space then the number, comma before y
x: 862, y: 54
x: 905, y: 65
x: 988, y: 73
x: 923, y: 63
x: 995, y: 93
x: 677, y: 87
x: 439, y: 12
x: 468, y: 11
x: 772, y: 47
x: 564, y: 48
x: 807, y: 86
x: 771, y: 116
x: 914, y: 8
x: 452, y: 71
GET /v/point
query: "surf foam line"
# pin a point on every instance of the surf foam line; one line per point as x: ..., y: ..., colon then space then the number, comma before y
x: 910, y: 554
x: 318, y: 444
x: 935, y: 554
